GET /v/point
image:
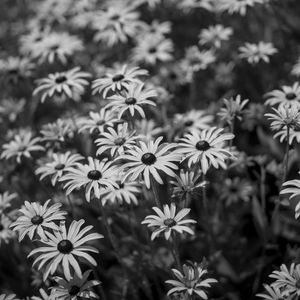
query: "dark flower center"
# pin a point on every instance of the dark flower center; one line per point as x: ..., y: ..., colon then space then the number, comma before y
x: 37, y: 220
x: 74, y: 290
x: 130, y: 101
x: 59, y: 167
x: 119, y: 141
x: 54, y: 47
x: 148, y: 158
x: 13, y: 71
x: 94, y: 175
x: 100, y: 122
x: 290, y: 96
x: 152, y: 50
x: 115, y: 17
x: 298, y: 284
x: 65, y: 246
x: 61, y: 79
x: 189, y: 123
x: 202, y: 145
x: 170, y: 222
x: 118, y: 77
x: 1, y: 227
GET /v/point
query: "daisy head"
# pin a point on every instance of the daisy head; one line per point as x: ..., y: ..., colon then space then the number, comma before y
x: 6, y: 234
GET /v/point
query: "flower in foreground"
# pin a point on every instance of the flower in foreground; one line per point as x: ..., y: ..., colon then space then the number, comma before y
x: 36, y: 218
x: 272, y: 293
x: 8, y: 297
x: 148, y: 160
x: 22, y: 146
x: 191, y: 281
x: 76, y: 288
x: 167, y: 221
x: 63, y: 247
x: 206, y: 148
x: 93, y: 176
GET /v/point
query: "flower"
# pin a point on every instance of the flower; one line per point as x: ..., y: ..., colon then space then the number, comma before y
x: 238, y: 6
x: 151, y: 50
x: 36, y: 218
x: 289, y: 95
x: 22, y: 146
x: 5, y: 199
x: 292, y: 187
x: 215, y: 35
x: 52, y: 46
x: 8, y: 297
x: 43, y: 296
x: 256, y: 52
x: 147, y: 160
x: 273, y: 293
x: 147, y: 129
x: 69, y: 84
x: 117, y: 141
x: 131, y: 101
x: 11, y: 108
x: 118, y: 80
x: 63, y: 246
x: 234, y: 108
x: 167, y: 221
x: 191, y: 281
x: 296, y: 68
x: 76, y: 288
x: 57, y: 167
x: 94, y: 176
x: 288, y: 279
x: 205, y: 147
x: 5, y: 232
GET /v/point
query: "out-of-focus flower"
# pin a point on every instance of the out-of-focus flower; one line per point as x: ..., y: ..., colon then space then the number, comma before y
x: 6, y: 234
x: 206, y: 148
x: 238, y: 6
x: 78, y: 287
x: 234, y: 109
x: 192, y: 281
x: 131, y: 101
x: 253, y: 115
x: 147, y: 160
x: 215, y: 35
x: 288, y: 95
x: 188, y: 5
x: 257, y: 52
x: 117, y: 23
x: 152, y: 50
x: 97, y: 122
x: 118, y: 80
x: 22, y: 146
x: 11, y: 108
x: 157, y: 29
x: 60, y: 162
x: 116, y: 141
x: 52, y: 47
x: 292, y: 187
x: 63, y: 85
x: 37, y: 218
x: 8, y: 297
x: 93, y: 176
x: 147, y: 130
x: 272, y: 293
x: 296, y: 69
x: 167, y: 221
x: 5, y: 200
x: 63, y: 247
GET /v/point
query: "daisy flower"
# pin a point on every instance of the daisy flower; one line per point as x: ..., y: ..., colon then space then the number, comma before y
x: 152, y: 50
x: 272, y: 293
x: 215, y: 35
x: 238, y: 6
x: 5, y: 200
x: 63, y: 247
x: 93, y: 176
x: 97, y: 121
x: 148, y: 160
x: 78, y: 287
x: 147, y: 129
x: 43, y: 296
x: 296, y: 68
x: 6, y: 233
x: 8, y: 297
x: 69, y: 84
x: 288, y: 95
x: 131, y: 101
x: 206, y: 148
x: 187, y: 5
x: 11, y: 108
x: 37, y: 218
x: 56, y: 168
x: 288, y: 279
x: 168, y: 221
x: 292, y: 187
x: 157, y: 29
x: 116, y: 141
x: 257, y: 52
x: 118, y: 80
x: 54, y: 46
x: 192, y: 281
x: 22, y: 146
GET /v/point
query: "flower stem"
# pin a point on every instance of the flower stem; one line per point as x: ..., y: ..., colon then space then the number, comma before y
x: 155, y: 193
x: 287, y: 150
x: 175, y: 251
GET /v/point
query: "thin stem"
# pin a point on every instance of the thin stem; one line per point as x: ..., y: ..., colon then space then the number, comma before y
x: 71, y: 206
x: 175, y: 251
x: 204, y: 196
x: 262, y: 188
x: 287, y: 150
x: 155, y: 193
